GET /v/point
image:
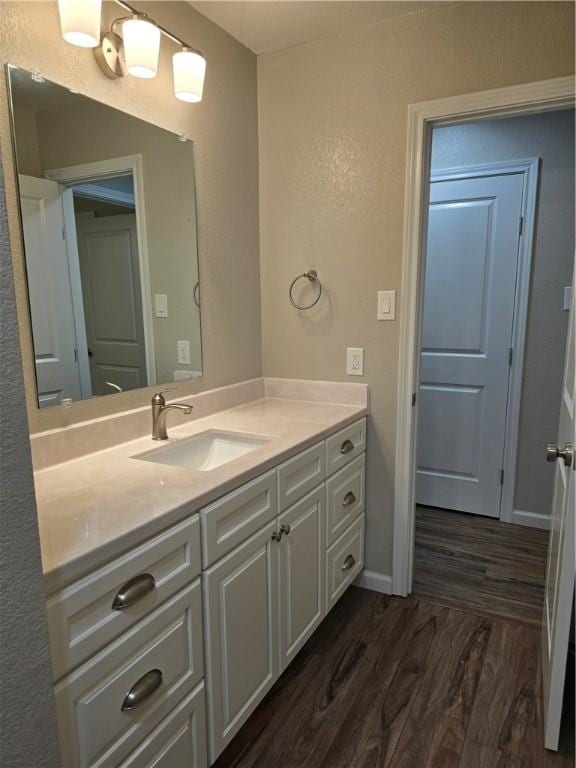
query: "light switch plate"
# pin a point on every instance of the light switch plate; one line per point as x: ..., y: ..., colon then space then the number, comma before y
x: 183, y: 349
x: 355, y: 361
x: 386, y: 305
x: 161, y: 304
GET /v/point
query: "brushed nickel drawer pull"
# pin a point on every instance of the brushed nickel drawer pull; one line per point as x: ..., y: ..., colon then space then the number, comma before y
x: 142, y: 690
x: 347, y: 446
x: 350, y: 562
x: 276, y: 535
x: 133, y: 590
x: 349, y: 499
x: 285, y: 529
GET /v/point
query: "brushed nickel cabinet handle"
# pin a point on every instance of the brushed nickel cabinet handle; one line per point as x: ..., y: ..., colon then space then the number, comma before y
x: 142, y: 690
x: 349, y: 499
x: 133, y: 590
x: 350, y: 562
x: 347, y: 446
x: 277, y: 535
x: 285, y: 529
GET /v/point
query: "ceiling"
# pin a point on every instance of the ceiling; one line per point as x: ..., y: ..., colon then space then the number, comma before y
x: 265, y: 26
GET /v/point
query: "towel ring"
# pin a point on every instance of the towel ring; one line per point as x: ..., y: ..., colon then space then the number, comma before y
x: 312, y: 276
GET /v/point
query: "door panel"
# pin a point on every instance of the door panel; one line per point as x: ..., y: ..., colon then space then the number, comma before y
x: 301, y: 581
x: 57, y: 371
x: 109, y: 263
x: 471, y: 263
x: 559, y: 591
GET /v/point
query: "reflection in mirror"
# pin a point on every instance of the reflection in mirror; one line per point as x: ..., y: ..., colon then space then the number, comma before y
x: 108, y: 210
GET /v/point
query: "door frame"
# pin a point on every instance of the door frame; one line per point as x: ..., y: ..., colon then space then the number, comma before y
x: 546, y: 95
x: 528, y: 168
x: 85, y: 172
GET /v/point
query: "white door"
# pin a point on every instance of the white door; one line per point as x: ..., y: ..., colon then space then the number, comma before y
x: 301, y: 582
x: 110, y: 269
x: 51, y: 309
x: 471, y: 263
x: 559, y: 591
x: 241, y: 634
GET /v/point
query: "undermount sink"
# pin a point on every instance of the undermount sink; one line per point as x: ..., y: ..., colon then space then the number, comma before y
x: 205, y: 451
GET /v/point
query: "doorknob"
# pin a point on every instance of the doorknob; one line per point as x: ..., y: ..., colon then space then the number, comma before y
x: 553, y: 452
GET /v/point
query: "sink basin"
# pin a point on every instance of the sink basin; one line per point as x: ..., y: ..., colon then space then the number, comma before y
x: 205, y: 451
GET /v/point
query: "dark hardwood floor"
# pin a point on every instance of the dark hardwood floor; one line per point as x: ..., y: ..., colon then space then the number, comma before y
x: 480, y: 565
x: 388, y: 682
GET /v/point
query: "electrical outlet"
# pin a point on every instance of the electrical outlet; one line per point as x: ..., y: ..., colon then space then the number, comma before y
x: 183, y: 350
x: 355, y: 361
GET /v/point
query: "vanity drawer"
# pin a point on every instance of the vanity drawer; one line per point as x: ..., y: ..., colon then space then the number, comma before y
x: 344, y: 498
x: 344, y: 561
x: 159, y: 660
x: 345, y: 445
x: 299, y: 475
x: 81, y: 619
x: 234, y: 518
x: 179, y: 741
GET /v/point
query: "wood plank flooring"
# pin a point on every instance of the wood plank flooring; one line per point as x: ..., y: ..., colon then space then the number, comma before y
x: 388, y: 682
x: 480, y: 565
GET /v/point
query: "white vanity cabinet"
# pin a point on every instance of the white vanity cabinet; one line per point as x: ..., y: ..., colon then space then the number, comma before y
x: 161, y: 655
x: 264, y: 598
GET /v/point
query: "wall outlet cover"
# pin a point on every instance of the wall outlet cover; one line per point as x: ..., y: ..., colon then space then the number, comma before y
x: 183, y: 350
x: 355, y: 361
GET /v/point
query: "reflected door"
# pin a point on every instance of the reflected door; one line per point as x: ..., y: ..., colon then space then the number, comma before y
x: 55, y: 355
x: 109, y: 265
x: 471, y: 263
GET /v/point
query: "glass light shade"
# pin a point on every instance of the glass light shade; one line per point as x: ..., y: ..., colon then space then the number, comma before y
x: 80, y: 22
x: 189, y: 70
x: 141, y: 46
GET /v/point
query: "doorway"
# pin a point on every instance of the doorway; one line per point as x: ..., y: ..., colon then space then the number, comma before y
x: 525, y: 100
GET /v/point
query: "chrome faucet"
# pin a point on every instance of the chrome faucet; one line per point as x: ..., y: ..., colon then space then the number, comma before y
x: 160, y: 411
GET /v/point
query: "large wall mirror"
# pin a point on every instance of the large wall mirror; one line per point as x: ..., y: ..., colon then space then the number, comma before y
x: 108, y: 210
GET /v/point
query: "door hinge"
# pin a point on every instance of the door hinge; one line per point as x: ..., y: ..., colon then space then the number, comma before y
x: 510, y: 356
x: 413, y: 399
x: 520, y: 225
x: 501, y: 477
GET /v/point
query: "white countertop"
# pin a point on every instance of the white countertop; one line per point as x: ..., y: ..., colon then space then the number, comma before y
x: 93, y: 508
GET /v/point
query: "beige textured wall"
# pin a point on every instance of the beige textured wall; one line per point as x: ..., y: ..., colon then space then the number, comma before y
x: 549, y: 136
x: 332, y: 121
x: 224, y: 130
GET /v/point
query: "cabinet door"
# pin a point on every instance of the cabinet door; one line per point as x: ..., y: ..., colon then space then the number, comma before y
x: 241, y: 633
x: 301, y: 572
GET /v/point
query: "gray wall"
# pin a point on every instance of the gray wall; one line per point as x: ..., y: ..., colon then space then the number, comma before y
x: 549, y: 136
x: 332, y: 122
x: 27, y: 715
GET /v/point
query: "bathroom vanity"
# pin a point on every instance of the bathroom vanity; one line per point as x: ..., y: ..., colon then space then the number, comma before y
x: 169, y: 626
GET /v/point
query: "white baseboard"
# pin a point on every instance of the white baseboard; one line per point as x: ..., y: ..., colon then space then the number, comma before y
x: 531, y: 519
x: 377, y: 582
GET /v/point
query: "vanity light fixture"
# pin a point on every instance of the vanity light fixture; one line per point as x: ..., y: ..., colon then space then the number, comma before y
x: 80, y: 22
x: 141, y: 38
x: 132, y: 45
x: 189, y: 68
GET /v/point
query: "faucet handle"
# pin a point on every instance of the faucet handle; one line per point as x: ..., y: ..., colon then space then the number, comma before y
x: 158, y: 397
